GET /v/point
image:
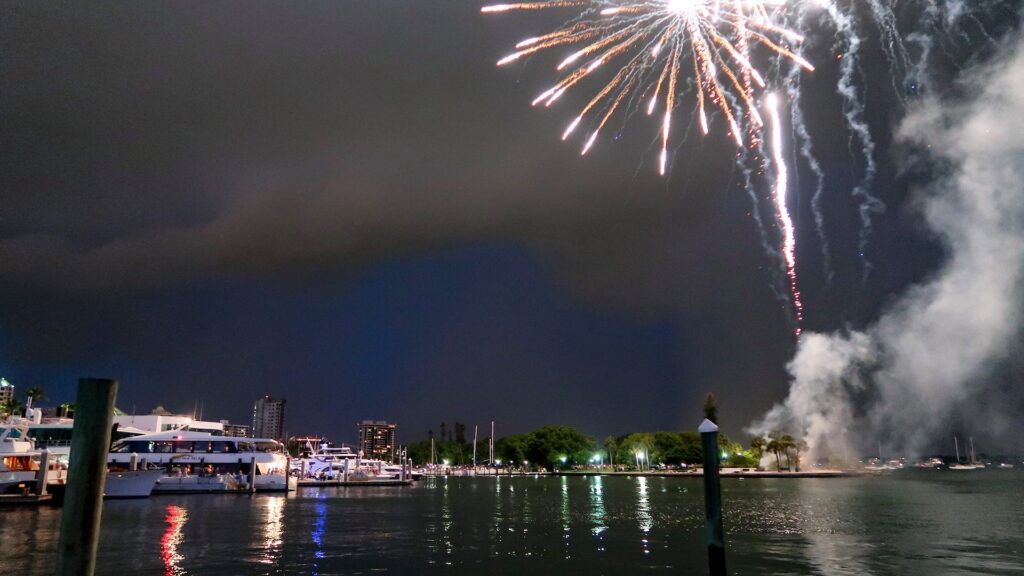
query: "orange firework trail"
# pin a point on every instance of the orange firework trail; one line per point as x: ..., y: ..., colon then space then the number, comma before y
x: 654, y: 42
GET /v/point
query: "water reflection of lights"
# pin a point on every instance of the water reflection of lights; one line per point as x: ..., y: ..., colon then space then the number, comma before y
x: 565, y: 514
x: 318, y: 534
x: 446, y: 521
x: 175, y: 519
x: 597, y: 512
x: 274, y: 530
x: 643, y: 512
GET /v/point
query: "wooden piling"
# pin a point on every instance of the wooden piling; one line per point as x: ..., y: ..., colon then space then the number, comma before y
x: 252, y: 475
x: 712, y: 499
x: 44, y: 465
x: 87, y: 473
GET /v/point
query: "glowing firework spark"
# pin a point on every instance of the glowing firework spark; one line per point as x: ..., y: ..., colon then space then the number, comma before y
x: 655, y: 41
x: 779, y: 197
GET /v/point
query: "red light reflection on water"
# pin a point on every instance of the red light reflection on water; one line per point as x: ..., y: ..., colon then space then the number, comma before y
x: 175, y: 519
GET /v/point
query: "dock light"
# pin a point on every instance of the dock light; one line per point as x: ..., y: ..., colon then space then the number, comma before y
x: 445, y: 462
x: 497, y: 461
x: 562, y: 458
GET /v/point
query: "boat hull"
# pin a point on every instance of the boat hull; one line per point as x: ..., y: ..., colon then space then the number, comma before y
x: 131, y: 484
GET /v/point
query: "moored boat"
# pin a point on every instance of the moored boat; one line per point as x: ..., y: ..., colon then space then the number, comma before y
x: 202, y: 462
x: 130, y: 483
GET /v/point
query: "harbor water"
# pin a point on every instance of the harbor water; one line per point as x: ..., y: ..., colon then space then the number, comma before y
x: 910, y: 522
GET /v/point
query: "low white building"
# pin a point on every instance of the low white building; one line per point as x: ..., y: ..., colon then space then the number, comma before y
x: 163, y: 422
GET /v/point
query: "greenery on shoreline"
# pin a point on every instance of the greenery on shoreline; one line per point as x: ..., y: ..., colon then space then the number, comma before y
x: 555, y: 446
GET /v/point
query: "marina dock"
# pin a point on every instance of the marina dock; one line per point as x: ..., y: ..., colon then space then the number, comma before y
x: 325, y: 483
x: 24, y: 499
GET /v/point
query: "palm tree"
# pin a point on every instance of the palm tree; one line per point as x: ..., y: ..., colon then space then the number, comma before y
x: 33, y: 394
x: 801, y: 446
x: 786, y: 442
x: 9, y: 407
x: 612, y: 447
x: 67, y: 408
x: 758, y: 445
x: 774, y: 446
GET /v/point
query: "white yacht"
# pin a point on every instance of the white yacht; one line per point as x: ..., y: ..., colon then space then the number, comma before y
x: 332, y: 463
x: 202, y: 462
x: 130, y: 483
x: 20, y: 461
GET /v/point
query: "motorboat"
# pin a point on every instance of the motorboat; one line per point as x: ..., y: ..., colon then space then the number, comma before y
x: 331, y: 463
x: 201, y: 462
x: 20, y: 462
x: 130, y: 483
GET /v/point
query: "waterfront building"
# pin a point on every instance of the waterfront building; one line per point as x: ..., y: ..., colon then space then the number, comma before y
x: 377, y: 439
x: 236, y: 430
x: 268, y: 418
x: 6, y: 391
x: 162, y: 420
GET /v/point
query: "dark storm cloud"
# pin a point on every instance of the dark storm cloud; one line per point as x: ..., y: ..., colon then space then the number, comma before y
x: 150, y: 146
x: 151, y: 150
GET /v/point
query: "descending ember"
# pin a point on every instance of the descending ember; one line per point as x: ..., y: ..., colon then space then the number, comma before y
x: 656, y: 42
x: 779, y: 191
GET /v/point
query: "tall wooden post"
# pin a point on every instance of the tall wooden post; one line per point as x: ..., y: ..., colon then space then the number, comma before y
x: 252, y: 475
x: 87, y: 473
x: 44, y: 465
x: 712, y: 499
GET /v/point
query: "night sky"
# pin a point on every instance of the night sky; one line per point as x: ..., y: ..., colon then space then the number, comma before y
x: 347, y: 204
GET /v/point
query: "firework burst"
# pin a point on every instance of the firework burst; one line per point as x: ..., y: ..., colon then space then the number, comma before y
x: 654, y: 43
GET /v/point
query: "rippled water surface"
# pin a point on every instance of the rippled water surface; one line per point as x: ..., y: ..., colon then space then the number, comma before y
x: 916, y: 522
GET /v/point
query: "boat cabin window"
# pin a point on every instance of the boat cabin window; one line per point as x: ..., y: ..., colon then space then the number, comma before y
x: 175, y: 447
x: 160, y: 447
x: 20, y: 463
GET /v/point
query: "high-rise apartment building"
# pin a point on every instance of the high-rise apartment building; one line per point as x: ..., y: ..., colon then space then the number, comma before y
x: 236, y: 430
x: 6, y: 390
x: 377, y: 439
x: 268, y: 418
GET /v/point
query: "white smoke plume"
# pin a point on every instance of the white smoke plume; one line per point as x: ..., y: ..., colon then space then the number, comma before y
x: 932, y: 350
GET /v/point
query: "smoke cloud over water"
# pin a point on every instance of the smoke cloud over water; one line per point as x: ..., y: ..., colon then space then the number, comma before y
x: 933, y: 351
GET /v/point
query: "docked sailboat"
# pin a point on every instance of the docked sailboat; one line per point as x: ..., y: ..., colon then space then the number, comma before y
x: 972, y: 465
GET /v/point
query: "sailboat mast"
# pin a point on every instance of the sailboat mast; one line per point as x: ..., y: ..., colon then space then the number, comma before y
x: 474, y: 444
x: 492, y: 444
x: 956, y: 446
x: 974, y: 457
